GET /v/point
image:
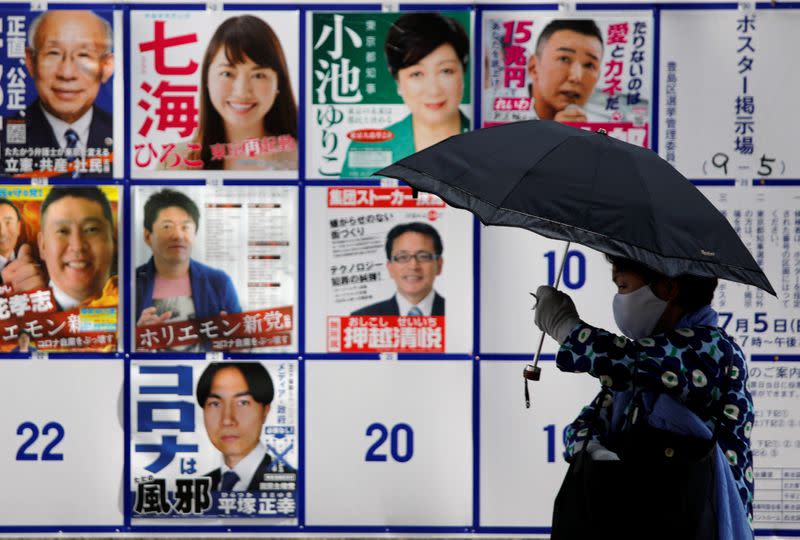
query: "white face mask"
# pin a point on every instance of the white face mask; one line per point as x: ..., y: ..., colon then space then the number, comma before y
x: 637, y: 312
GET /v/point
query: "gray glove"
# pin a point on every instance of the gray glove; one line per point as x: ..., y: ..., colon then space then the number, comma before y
x: 555, y: 313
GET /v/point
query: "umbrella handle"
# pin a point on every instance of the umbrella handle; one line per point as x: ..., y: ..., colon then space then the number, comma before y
x: 534, y: 372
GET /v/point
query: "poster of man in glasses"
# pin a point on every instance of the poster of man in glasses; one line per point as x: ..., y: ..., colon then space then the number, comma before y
x: 397, y: 271
x: 58, y: 85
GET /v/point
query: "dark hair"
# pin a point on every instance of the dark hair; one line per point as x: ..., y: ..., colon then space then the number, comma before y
x: 11, y: 204
x: 587, y: 27
x: 414, y: 36
x: 694, y: 292
x: 23, y: 333
x: 91, y: 193
x: 165, y: 199
x: 415, y: 227
x: 259, y: 382
x: 244, y: 37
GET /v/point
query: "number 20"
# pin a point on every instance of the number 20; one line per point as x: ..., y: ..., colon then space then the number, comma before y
x: 394, y: 444
x: 47, y: 454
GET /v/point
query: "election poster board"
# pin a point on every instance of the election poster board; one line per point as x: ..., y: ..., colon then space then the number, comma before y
x: 61, y: 73
x: 63, y: 444
x: 60, y: 290
x: 591, y: 70
x: 726, y: 127
x: 387, y: 449
x: 237, y: 267
x: 514, y: 262
x: 363, y: 300
x: 766, y: 327
x: 181, y: 450
x: 228, y: 112
x: 378, y: 92
x: 521, y: 450
x: 745, y: 163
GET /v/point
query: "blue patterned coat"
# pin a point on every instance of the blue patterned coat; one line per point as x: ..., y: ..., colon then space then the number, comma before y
x: 701, y: 367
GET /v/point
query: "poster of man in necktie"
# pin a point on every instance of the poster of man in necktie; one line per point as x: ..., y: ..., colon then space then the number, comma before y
x: 214, y: 440
x: 60, y: 73
x: 387, y: 286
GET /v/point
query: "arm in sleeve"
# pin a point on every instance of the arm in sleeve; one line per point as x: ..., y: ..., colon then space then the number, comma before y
x: 685, y: 363
x: 589, y: 425
x: 230, y: 298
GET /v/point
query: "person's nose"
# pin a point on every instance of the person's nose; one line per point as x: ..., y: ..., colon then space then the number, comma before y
x: 228, y: 415
x: 433, y: 86
x: 575, y: 72
x: 67, y: 68
x: 76, y: 240
x: 241, y: 85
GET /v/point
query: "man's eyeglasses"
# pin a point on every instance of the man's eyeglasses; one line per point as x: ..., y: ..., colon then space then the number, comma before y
x: 421, y: 257
x: 88, y: 58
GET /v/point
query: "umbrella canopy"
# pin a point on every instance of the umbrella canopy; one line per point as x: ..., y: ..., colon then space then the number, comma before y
x: 580, y: 186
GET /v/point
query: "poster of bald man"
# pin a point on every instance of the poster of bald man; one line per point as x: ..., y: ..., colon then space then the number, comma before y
x: 60, y: 72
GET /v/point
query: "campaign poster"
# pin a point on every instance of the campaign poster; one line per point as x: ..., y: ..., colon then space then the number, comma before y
x: 589, y: 70
x: 214, y: 441
x: 214, y: 94
x: 387, y: 272
x: 59, y: 262
x: 383, y: 86
x: 61, y: 90
x: 724, y: 116
x: 215, y: 268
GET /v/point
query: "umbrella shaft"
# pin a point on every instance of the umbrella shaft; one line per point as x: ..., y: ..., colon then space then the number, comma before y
x: 558, y: 280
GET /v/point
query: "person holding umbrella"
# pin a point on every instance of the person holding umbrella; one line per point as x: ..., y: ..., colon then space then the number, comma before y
x: 668, y: 436
x: 664, y: 449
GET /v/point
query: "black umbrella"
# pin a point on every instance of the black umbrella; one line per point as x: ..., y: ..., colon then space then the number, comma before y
x: 580, y: 186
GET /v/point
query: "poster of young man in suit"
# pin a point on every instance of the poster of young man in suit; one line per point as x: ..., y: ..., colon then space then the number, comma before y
x: 214, y: 440
x: 215, y: 268
x: 397, y: 271
x: 60, y: 72
x: 59, y: 268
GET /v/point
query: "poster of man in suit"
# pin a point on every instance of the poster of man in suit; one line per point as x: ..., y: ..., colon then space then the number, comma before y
x: 397, y: 272
x: 58, y: 70
x: 214, y: 440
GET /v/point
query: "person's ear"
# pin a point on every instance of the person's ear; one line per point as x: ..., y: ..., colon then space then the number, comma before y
x: 147, y: 238
x: 439, y: 264
x: 671, y: 289
x: 107, y: 68
x: 533, y: 67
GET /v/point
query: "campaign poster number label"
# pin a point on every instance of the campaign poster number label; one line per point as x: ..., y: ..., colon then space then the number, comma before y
x: 392, y: 453
x: 61, y: 443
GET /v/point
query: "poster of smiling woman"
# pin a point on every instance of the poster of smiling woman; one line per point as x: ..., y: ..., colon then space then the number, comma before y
x: 214, y: 94
x: 383, y: 86
x: 60, y: 73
